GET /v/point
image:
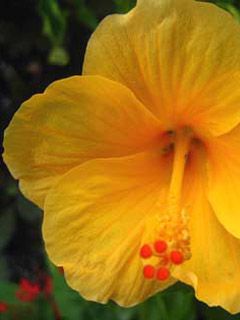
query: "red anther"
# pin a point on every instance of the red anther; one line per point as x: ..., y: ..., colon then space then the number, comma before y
x: 160, y: 246
x: 146, y: 251
x: 176, y: 257
x: 163, y: 274
x: 149, y: 271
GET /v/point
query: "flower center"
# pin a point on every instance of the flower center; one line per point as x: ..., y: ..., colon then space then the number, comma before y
x: 172, y: 244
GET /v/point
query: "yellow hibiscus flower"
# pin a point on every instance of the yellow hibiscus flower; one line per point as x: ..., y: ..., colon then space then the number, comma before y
x: 137, y: 162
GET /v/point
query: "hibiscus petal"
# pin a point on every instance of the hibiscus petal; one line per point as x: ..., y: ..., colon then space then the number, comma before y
x: 94, y: 224
x: 74, y: 120
x: 224, y: 179
x: 213, y: 269
x: 178, y: 60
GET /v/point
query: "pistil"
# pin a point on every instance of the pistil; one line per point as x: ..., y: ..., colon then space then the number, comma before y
x: 181, y: 150
x: 172, y: 245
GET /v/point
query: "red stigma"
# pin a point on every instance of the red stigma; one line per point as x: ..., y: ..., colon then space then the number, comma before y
x: 163, y: 274
x: 149, y: 272
x: 176, y: 257
x: 146, y: 251
x: 160, y: 246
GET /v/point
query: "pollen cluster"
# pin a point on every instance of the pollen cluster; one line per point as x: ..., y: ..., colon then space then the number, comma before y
x: 171, y: 248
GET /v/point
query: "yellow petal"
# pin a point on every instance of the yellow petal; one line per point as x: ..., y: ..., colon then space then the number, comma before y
x: 94, y: 224
x: 214, y: 267
x: 178, y: 60
x: 74, y: 120
x: 224, y: 179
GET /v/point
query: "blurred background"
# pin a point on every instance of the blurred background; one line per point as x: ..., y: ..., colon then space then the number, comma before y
x: 42, y: 41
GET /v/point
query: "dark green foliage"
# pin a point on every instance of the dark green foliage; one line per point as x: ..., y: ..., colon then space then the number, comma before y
x: 123, y: 6
x: 85, y: 14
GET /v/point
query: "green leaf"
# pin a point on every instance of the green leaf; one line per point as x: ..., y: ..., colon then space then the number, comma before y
x: 27, y: 210
x: 58, y: 56
x: 85, y: 14
x: 21, y: 311
x: 177, y: 302
x: 67, y: 300
x: 7, y: 292
x: 54, y: 27
x: 123, y: 6
x: 217, y: 314
x: 43, y: 309
x: 180, y: 305
x: 4, y: 270
x: 233, y: 10
x: 54, y: 21
x: 7, y: 225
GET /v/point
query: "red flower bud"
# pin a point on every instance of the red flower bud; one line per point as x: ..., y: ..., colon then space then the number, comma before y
x: 3, y: 307
x: 27, y: 290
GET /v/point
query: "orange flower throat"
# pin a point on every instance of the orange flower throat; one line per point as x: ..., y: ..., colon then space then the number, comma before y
x: 172, y: 245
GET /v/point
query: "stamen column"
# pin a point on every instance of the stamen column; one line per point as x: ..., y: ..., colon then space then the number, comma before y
x: 172, y: 245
